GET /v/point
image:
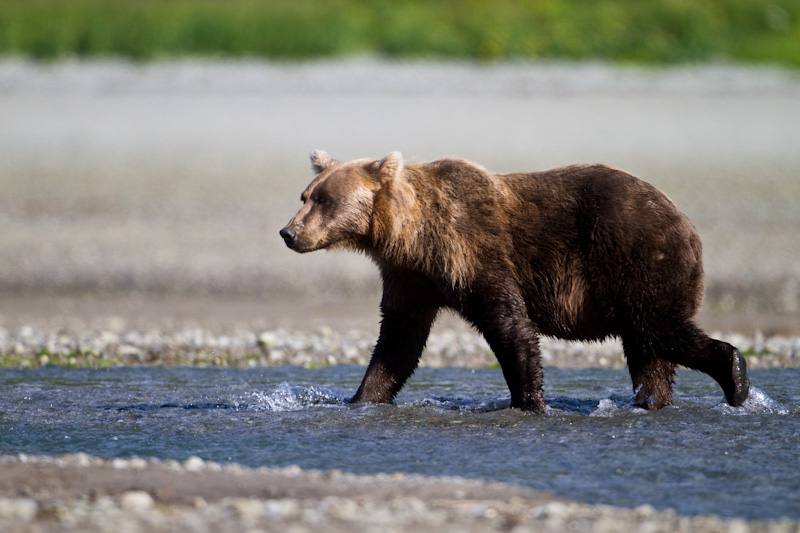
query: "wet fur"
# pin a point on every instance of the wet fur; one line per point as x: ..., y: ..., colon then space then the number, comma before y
x: 581, y: 253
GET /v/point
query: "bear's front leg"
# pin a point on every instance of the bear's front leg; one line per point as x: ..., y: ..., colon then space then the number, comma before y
x: 500, y: 314
x: 402, y: 338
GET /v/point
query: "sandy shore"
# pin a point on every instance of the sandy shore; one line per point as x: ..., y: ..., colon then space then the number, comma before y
x: 83, y: 493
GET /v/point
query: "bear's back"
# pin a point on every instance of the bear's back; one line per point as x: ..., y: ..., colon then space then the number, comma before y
x: 599, y: 236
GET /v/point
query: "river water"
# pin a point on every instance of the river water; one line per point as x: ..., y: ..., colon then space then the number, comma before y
x: 700, y: 456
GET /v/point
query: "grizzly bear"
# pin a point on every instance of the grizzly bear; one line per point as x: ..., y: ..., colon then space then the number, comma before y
x: 582, y: 252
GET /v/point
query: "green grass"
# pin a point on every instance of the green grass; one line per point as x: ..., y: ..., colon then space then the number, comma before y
x: 627, y: 31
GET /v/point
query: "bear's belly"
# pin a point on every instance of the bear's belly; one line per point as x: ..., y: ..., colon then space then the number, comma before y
x: 577, y: 319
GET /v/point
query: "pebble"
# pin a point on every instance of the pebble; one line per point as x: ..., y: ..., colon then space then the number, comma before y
x: 248, y: 509
x: 21, y: 510
x: 136, y: 501
x: 194, y: 464
x: 137, y: 463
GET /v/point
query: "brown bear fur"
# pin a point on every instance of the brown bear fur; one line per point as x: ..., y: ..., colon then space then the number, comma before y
x: 581, y: 253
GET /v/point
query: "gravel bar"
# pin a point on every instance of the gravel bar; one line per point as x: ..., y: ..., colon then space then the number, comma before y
x: 31, y: 346
x: 84, y: 493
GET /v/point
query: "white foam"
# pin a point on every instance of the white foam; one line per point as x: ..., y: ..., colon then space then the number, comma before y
x: 757, y: 402
x: 605, y: 408
x: 293, y: 398
x: 608, y: 407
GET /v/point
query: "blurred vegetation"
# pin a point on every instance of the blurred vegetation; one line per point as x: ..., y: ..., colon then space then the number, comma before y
x: 632, y: 31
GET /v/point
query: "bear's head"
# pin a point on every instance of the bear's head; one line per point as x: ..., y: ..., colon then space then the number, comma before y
x: 339, y: 204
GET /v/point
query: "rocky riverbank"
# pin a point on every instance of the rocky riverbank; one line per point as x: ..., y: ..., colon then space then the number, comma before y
x: 84, y: 493
x: 29, y: 346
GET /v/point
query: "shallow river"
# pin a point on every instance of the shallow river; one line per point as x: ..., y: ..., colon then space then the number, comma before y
x: 700, y: 456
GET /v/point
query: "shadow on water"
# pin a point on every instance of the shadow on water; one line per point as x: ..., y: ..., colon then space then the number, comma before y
x: 148, y: 407
x: 586, y: 406
x: 290, y: 398
x: 285, y: 397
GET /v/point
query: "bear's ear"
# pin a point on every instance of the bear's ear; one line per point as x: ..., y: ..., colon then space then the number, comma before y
x: 320, y: 160
x: 390, y: 166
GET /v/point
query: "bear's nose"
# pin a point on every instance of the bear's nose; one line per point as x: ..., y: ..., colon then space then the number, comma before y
x: 289, y: 236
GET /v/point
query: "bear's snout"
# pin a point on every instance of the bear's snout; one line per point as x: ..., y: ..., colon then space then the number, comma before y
x: 289, y: 236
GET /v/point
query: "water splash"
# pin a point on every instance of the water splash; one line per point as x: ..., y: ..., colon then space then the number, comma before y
x: 614, y: 406
x: 757, y: 403
x: 605, y: 407
x: 294, y: 398
x: 288, y: 397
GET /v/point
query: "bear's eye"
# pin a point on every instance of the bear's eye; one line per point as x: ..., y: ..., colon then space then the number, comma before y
x: 320, y: 199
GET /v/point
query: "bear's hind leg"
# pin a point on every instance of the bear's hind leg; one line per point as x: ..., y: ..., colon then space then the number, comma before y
x: 652, y: 376
x: 683, y: 343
